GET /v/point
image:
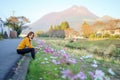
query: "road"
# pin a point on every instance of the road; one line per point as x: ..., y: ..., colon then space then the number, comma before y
x: 8, y: 56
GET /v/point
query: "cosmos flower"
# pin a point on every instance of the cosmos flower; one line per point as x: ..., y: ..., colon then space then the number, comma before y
x: 111, y: 71
x: 67, y: 74
x: 94, y: 65
x: 80, y: 76
x: 86, y: 57
x: 55, y: 62
x: 72, y: 60
x: 99, y: 75
x: 92, y: 75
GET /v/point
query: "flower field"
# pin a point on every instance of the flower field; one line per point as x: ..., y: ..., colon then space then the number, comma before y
x: 56, y: 61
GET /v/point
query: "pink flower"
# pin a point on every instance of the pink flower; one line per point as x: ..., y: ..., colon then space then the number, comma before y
x: 65, y: 55
x: 55, y: 62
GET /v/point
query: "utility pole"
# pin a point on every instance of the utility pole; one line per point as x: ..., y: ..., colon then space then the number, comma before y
x: 13, y: 13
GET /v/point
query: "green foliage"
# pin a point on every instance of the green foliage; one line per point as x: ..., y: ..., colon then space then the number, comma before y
x: 92, y: 36
x: 62, y: 26
x: 58, y: 30
x: 117, y: 52
x: 56, y: 33
x: 1, y: 36
x: 42, y: 35
x: 106, y: 35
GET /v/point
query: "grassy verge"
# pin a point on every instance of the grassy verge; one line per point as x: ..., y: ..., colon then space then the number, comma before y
x: 56, y: 62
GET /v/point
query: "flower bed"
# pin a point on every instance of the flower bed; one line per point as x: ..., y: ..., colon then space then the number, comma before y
x: 57, y: 63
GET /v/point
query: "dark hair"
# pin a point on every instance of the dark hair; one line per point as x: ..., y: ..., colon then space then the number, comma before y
x: 30, y: 33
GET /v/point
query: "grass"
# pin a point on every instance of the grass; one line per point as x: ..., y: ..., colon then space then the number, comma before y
x: 44, y: 69
x: 87, y: 44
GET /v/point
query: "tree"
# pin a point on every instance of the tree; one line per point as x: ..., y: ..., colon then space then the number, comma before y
x: 57, y: 27
x: 51, y: 28
x: 64, y: 25
x: 16, y: 23
x: 86, y: 29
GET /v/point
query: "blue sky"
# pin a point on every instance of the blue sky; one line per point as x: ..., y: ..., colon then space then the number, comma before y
x: 35, y: 9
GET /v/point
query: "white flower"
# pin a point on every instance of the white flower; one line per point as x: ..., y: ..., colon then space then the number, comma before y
x: 99, y: 73
x: 46, y: 59
x: 94, y: 61
x: 63, y: 51
x: 98, y: 78
x: 94, y: 65
x: 111, y: 71
x: 40, y: 78
x: 107, y: 78
x: 87, y: 56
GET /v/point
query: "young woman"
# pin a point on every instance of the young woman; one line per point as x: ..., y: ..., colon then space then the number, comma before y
x: 25, y: 45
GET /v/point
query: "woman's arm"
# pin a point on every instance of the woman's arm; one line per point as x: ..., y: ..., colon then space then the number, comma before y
x: 28, y: 43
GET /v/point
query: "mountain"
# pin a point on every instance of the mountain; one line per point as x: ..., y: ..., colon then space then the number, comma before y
x: 74, y: 15
x: 105, y: 18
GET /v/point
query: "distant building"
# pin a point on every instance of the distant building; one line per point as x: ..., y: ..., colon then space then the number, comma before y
x: 72, y: 34
x: 111, y: 31
x: 1, y: 26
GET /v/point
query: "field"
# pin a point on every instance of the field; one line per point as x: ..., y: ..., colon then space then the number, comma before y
x: 60, y: 59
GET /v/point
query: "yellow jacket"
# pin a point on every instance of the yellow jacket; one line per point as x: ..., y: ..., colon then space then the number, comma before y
x: 25, y: 43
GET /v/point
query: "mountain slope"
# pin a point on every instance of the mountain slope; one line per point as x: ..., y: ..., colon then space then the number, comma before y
x: 75, y: 15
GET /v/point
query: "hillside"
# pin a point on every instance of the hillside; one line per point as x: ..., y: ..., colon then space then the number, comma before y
x: 75, y: 15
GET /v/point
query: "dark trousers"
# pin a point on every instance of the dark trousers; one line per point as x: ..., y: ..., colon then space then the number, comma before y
x: 27, y: 50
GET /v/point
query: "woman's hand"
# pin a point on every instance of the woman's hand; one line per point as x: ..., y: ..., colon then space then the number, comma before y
x: 36, y: 49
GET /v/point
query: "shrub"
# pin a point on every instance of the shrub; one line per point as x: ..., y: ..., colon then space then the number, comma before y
x: 56, y: 33
x: 106, y: 35
x: 1, y: 36
x: 42, y: 35
x: 5, y: 35
x: 117, y: 51
x: 110, y: 50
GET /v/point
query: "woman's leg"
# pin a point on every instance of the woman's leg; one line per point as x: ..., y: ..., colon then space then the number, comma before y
x: 27, y: 50
x: 33, y: 53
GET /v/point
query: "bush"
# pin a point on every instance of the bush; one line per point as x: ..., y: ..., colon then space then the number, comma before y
x: 42, y: 35
x: 56, y: 33
x: 116, y: 36
x: 110, y: 50
x: 117, y: 52
x: 5, y: 35
x: 1, y: 35
x: 106, y: 35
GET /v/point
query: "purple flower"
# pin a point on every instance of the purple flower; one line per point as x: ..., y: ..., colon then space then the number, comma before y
x: 92, y: 75
x: 72, y: 60
x: 99, y: 73
x: 67, y: 74
x: 80, y: 76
